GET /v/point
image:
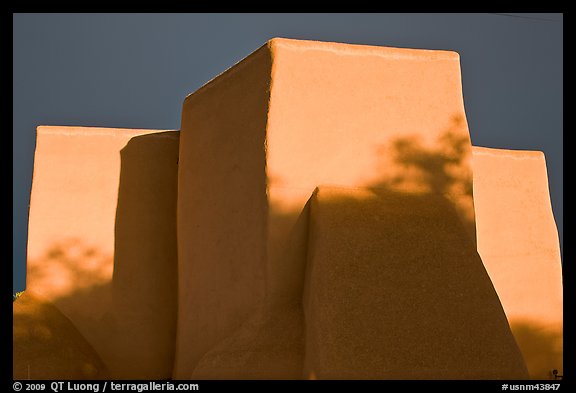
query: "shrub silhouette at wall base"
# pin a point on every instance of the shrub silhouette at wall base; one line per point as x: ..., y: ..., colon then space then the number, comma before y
x: 47, y: 345
x: 201, y: 253
x: 102, y: 241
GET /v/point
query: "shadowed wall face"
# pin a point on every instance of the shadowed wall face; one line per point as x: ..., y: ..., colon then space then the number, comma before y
x: 222, y: 205
x: 518, y: 243
x: 396, y: 290
x: 354, y: 116
x: 145, y: 256
x: 47, y: 345
x: 102, y: 240
x: 514, y: 58
x: 270, y: 344
x: 260, y: 137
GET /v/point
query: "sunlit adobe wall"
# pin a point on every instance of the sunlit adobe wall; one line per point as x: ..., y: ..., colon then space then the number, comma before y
x: 256, y: 141
x: 208, y: 254
x: 102, y: 241
x: 518, y: 242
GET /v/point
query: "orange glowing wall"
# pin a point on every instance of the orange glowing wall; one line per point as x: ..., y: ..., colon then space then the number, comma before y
x: 253, y: 287
x: 258, y: 139
x: 102, y: 241
x: 518, y: 242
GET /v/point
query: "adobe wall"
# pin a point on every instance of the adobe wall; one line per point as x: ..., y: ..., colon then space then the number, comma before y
x: 257, y: 139
x: 396, y: 290
x: 518, y: 243
x: 101, y: 225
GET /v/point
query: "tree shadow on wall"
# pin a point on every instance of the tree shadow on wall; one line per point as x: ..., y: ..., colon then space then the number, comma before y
x: 46, y: 343
x: 71, y: 266
x: 124, y: 304
x: 75, y: 278
x: 407, y: 169
x: 541, y: 347
x: 441, y: 167
x: 395, y: 290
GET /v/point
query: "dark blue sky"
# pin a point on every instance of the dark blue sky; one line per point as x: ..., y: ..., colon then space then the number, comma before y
x: 134, y: 70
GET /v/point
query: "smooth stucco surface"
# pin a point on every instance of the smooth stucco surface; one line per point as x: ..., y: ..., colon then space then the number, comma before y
x: 102, y: 240
x: 222, y: 206
x: 256, y: 141
x: 375, y: 276
x: 518, y: 243
x: 396, y: 290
